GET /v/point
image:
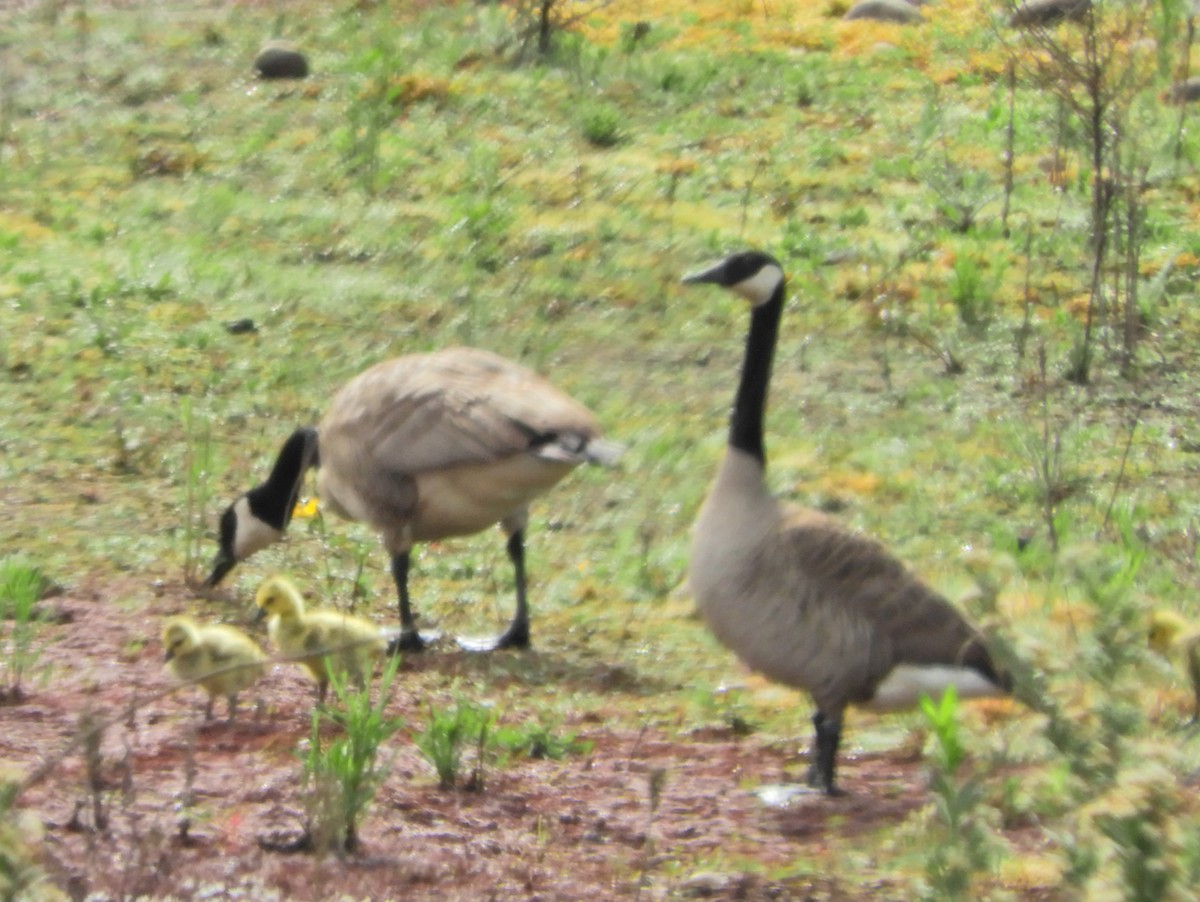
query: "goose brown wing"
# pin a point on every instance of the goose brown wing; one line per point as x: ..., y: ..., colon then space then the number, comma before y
x: 926, y: 629
x: 450, y: 408
x: 910, y: 620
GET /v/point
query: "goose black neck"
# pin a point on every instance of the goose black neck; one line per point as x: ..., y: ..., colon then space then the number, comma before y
x: 749, y: 405
x: 273, y: 501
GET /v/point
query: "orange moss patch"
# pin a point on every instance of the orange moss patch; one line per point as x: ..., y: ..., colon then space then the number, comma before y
x: 411, y: 89
x: 992, y: 711
x: 839, y: 482
x: 23, y: 226
x: 805, y: 26
x: 1030, y: 873
x: 1077, y: 306
x: 677, y: 167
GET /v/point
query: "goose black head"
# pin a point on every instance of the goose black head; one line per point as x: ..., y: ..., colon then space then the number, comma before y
x: 261, y: 516
x: 755, y: 275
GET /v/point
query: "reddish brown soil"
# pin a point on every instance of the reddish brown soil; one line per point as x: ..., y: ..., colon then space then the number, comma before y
x: 572, y: 829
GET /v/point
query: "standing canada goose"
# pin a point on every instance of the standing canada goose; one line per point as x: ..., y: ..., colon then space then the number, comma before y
x: 425, y: 447
x: 1170, y: 633
x: 348, y: 643
x: 222, y: 659
x: 797, y: 596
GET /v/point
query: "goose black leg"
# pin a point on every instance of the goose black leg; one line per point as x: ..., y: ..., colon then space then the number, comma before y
x: 410, y: 638
x: 824, y: 754
x: 517, y: 634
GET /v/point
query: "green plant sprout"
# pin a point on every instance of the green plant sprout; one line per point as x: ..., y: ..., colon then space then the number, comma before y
x: 449, y: 733
x: 962, y: 851
x: 342, y: 776
x: 21, y: 585
x: 539, y: 741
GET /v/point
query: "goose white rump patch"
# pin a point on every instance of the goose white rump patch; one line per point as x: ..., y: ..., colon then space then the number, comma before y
x: 905, y: 685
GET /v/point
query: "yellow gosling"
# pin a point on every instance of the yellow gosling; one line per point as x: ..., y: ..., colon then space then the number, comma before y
x: 351, y: 644
x: 1171, y: 634
x: 222, y: 659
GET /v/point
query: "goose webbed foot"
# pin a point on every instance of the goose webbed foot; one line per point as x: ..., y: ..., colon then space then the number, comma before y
x: 824, y: 783
x: 516, y: 636
x: 412, y: 640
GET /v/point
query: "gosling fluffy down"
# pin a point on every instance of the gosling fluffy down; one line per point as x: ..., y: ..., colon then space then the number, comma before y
x: 351, y: 644
x: 222, y: 659
x: 1171, y: 634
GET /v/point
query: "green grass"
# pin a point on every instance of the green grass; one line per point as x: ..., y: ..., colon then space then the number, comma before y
x: 450, y: 733
x: 21, y: 645
x: 151, y: 192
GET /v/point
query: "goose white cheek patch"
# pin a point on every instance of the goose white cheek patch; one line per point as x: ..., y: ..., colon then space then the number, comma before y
x: 252, y: 533
x: 759, y: 288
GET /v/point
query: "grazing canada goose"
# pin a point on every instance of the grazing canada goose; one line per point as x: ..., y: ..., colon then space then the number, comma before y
x: 425, y: 447
x: 797, y: 596
x: 222, y: 659
x: 1171, y: 633
x: 349, y: 643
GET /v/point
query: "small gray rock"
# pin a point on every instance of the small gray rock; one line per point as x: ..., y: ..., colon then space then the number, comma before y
x: 898, y: 11
x: 1034, y: 13
x: 244, y: 326
x: 712, y: 884
x: 281, y: 59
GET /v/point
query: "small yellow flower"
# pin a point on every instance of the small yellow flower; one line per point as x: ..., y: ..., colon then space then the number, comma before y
x: 305, y: 509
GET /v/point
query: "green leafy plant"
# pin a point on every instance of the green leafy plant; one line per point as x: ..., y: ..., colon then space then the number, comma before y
x: 341, y: 776
x: 539, y: 741
x: 373, y: 102
x: 1118, y: 797
x: 1103, y: 79
x: 447, y: 736
x: 962, y: 851
x: 602, y: 124
x: 21, y: 585
x: 1139, y: 834
x: 482, y: 220
x: 971, y: 292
